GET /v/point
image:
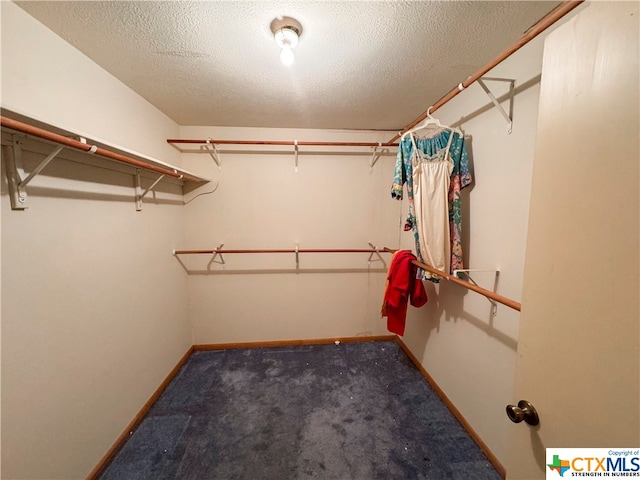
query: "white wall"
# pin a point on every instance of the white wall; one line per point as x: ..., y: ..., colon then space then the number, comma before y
x: 333, y: 201
x: 61, y: 86
x: 94, y: 311
x: 469, y: 353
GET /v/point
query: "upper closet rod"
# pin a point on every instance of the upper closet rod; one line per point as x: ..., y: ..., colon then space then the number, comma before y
x: 70, y: 142
x: 291, y: 143
x: 529, y: 35
x: 482, y: 291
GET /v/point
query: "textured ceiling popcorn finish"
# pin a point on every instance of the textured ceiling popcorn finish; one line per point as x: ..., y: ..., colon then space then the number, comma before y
x: 359, y: 65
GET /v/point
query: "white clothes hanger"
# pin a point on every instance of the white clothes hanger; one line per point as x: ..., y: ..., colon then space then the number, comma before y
x: 429, y: 123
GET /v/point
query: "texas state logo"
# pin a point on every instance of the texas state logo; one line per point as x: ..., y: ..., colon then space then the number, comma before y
x: 592, y: 462
x: 560, y: 466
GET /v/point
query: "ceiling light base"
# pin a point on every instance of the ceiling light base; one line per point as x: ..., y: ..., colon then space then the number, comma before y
x: 279, y: 23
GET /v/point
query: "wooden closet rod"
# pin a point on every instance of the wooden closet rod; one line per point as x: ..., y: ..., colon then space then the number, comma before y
x: 551, y: 18
x: 482, y: 291
x: 290, y: 143
x: 290, y: 250
x: 70, y: 142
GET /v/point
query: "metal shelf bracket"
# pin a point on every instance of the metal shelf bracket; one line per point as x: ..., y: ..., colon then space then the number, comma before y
x: 215, y: 255
x: 214, y: 152
x: 12, y: 155
x: 466, y: 272
x: 375, y: 155
x: 507, y: 116
x: 139, y: 193
x: 375, y: 254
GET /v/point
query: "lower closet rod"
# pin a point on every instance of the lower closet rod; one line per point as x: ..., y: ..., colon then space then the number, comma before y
x: 482, y: 291
x: 290, y: 250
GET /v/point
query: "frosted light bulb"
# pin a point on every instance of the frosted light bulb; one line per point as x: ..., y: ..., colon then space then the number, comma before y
x: 286, y: 55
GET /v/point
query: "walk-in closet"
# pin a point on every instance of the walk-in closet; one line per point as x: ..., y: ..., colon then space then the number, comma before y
x: 341, y: 240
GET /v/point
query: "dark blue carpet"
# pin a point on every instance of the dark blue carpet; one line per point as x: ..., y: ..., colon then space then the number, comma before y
x: 350, y: 411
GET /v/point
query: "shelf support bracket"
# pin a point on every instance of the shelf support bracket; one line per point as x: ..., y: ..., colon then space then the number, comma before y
x: 216, y: 254
x: 466, y: 272
x: 12, y: 159
x: 295, y: 156
x: 152, y: 185
x: 139, y: 193
x: 507, y: 116
x: 377, y: 254
x: 12, y: 155
x: 374, y: 158
x: 214, y: 152
x: 39, y: 168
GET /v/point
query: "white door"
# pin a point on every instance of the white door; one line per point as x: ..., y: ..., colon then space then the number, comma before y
x: 578, y: 347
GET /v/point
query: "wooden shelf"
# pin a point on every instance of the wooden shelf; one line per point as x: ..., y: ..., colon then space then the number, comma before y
x: 14, y: 132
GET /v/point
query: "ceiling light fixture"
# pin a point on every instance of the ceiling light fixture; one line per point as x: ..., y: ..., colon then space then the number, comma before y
x: 286, y: 32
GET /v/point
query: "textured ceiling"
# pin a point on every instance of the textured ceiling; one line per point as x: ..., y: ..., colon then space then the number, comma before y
x: 359, y: 64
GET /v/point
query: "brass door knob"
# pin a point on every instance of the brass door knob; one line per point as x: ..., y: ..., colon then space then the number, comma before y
x: 524, y: 411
